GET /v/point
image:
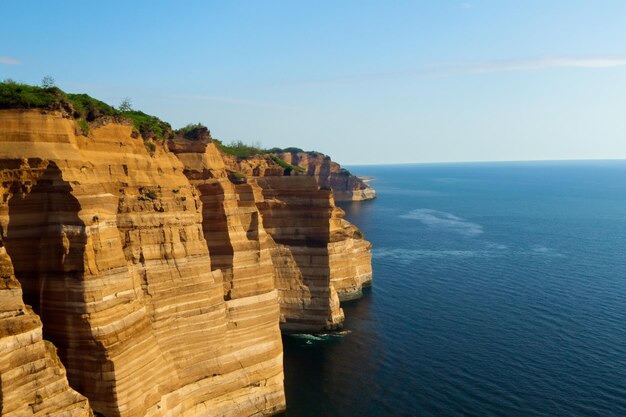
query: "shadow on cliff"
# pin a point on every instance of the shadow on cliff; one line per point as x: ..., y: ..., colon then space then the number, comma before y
x: 46, y: 241
x: 215, y: 229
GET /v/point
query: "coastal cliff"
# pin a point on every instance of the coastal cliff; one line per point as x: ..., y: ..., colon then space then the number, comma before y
x: 162, y: 275
x: 329, y: 174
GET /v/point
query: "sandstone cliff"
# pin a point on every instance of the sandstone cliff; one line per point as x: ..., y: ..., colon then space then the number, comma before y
x: 107, y: 243
x: 329, y: 174
x: 163, y: 275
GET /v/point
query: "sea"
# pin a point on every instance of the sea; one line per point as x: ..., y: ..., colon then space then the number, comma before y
x: 499, y: 290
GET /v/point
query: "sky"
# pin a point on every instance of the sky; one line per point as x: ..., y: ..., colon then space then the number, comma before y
x: 367, y: 82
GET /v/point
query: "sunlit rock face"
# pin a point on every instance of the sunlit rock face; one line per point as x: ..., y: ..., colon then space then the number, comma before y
x: 329, y: 174
x: 318, y: 257
x: 164, y: 278
x: 107, y: 242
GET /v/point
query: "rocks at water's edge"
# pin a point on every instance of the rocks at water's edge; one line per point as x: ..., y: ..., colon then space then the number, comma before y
x: 163, y: 280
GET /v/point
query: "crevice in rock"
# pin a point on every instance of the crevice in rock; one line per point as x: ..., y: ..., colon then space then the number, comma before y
x: 46, y: 239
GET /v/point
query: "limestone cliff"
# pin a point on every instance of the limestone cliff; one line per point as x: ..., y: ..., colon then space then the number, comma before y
x: 162, y: 274
x: 329, y: 174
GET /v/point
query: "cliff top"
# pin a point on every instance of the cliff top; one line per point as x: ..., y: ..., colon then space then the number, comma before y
x: 90, y: 112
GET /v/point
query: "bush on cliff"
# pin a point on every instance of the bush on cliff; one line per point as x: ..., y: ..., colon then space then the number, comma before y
x: 149, y: 126
x: 286, y: 166
x: 14, y: 95
x: 194, y: 131
x: 88, y: 108
x: 240, y: 149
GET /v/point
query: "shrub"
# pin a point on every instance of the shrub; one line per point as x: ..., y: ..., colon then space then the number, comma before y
x: 125, y: 105
x: 343, y: 171
x: 194, y: 131
x: 150, y: 146
x: 23, y: 96
x: 285, y: 165
x: 148, y: 126
x: 48, y: 82
x: 83, y: 126
x: 240, y: 149
x: 89, y: 108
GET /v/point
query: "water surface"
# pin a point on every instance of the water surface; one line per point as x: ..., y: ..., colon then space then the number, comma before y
x: 500, y: 290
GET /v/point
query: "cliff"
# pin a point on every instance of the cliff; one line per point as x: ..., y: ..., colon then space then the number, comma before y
x: 329, y: 174
x: 162, y: 275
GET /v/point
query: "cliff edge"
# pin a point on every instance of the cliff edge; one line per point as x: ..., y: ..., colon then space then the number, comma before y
x: 329, y: 174
x: 147, y: 273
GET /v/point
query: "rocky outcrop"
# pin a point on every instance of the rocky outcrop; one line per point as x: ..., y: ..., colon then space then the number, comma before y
x: 329, y: 174
x: 163, y: 276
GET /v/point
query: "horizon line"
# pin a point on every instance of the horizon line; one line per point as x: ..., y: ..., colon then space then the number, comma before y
x: 486, y: 161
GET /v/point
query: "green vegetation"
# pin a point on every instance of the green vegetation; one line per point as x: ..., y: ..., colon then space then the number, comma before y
x: 84, y: 126
x: 149, y: 126
x: 343, y: 171
x: 194, y: 131
x: 82, y: 107
x: 236, y: 177
x: 285, y: 150
x: 151, y: 194
x: 125, y: 105
x: 285, y: 165
x: 150, y: 146
x: 22, y: 96
x: 88, y: 108
x: 48, y: 82
x: 240, y: 149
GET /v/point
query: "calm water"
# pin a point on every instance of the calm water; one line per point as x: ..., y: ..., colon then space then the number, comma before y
x: 500, y: 290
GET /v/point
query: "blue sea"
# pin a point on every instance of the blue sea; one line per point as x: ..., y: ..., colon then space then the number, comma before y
x: 499, y: 290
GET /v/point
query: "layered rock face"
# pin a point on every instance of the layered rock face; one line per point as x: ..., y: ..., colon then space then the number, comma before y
x: 32, y: 379
x: 329, y: 174
x: 163, y: 280
x: 268, y: 225
x: 108, y: 245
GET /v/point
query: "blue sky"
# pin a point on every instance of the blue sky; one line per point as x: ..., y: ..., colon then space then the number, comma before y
x: 364, y: 81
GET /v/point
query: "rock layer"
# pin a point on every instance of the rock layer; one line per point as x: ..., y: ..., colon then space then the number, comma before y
x: 329, y: 174
x: 107, y: 242
x: 318, y: 257
x: 32, y: 379
x: 163, y: 277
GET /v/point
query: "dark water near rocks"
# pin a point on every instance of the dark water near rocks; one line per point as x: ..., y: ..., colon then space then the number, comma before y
x: 500, y: 290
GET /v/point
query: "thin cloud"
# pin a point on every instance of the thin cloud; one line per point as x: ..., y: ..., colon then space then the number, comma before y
x: 473, y: 68
x: 544, y: 63
x: 236, y: 101
x: 6, y: 60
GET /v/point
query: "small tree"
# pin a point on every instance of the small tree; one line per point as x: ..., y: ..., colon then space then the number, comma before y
x: 125, y: 105
x: 48, y: 82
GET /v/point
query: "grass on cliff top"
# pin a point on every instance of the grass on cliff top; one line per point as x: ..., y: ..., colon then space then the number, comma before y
x: 82, y: 107
x: 243, y: 150
x: 149, y: 126
x: 85, y: 109
x: 15, y: 95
